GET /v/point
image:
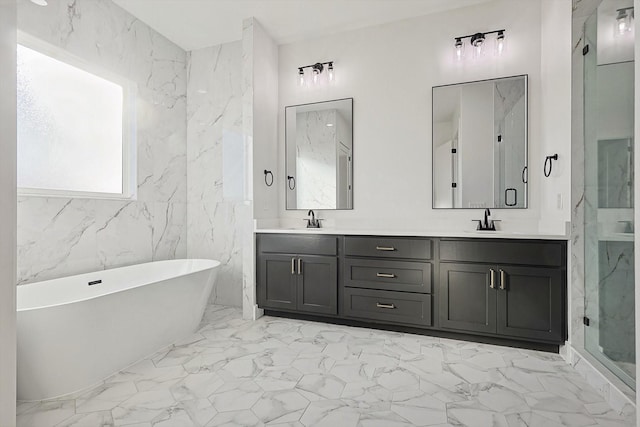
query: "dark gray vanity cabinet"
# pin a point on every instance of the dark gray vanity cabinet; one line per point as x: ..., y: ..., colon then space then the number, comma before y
x: 500, y: 288
x: 525, y: 299
x: 388, y: 280
x: 298, y: 273
x: 467, y: 301
x: 277, y: 281
x: 531, y: 303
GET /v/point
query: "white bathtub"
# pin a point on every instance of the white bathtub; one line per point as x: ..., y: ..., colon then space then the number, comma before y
x: 72, y: 335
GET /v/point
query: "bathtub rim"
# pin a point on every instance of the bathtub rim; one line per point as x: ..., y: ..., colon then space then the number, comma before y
x: 208, y: 264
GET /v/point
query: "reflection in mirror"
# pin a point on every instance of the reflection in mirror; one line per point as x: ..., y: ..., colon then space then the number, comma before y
x: 319, y: 155
x: 480, y: 144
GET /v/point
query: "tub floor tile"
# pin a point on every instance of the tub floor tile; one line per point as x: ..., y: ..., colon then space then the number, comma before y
x: 296, y: 373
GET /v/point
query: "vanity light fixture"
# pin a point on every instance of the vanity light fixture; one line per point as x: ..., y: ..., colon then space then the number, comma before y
x: 624, y: 20
x: 478, y: 42
x: 316, y: 76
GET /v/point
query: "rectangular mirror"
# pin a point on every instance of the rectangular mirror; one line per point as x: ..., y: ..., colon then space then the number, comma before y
x: 480, y: 144
x: 319, y: 155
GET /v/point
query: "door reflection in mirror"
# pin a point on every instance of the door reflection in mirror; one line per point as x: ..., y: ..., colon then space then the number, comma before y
x: 319, y: 155
x: 480, y: 144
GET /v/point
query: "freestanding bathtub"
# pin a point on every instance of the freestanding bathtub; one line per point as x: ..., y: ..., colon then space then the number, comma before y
x: 76, y: 331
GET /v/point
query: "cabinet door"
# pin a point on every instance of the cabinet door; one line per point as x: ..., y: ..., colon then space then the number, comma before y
x: 467, y: 302
x: 277, y: 281
x: 530, y: 305
x: 317, y: 287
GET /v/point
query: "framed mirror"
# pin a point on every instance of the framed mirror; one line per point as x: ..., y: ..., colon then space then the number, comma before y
x: 480, y: 144
x: 319, y: 155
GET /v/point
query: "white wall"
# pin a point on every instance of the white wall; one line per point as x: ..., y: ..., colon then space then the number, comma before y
x: 265, y: 123
x: 389, y: 70
x: 63, y: 236
x: 556, y: 113
x: 7, y: 214
x: 259, y: 123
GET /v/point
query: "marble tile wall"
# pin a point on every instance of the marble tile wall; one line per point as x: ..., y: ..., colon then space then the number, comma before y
x: 214, y: 131
x: 62, y: 236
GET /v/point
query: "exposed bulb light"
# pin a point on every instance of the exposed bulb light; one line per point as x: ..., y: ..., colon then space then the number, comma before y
x: 40, y: 2
x: 317, y: 69
x: 329, y: 125
x: 300, y: 77
x: 500, y: 43
x: 477, y: 41
x: 459, y: 49
x: 331, y: 73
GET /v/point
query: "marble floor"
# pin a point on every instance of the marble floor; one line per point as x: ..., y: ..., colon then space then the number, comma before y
x: 285, y: 372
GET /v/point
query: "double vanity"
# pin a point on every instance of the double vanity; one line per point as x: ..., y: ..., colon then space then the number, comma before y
x: 513, y: 289
x: 500, y: 286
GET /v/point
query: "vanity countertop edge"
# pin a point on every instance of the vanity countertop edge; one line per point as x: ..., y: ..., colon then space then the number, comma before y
x: 414, y: 233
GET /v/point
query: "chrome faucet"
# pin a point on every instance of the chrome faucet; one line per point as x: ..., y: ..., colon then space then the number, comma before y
x: 486, y: 224
x: 312, y: 222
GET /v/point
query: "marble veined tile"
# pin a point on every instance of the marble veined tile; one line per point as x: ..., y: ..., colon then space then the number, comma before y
x: 46, y: 413
x: 59, y: 237
x: 235, y: 418
x: 236, y: 372
x: 330, y: 413
x: 235, y: 396
x: 92, y: 419
x: 280, y: 406
x: 145, y: 406
x: 105, y: 397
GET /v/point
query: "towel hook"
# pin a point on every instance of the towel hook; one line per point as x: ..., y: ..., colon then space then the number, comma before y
x: 549, y: 161
x: 268, y: 182
x: 291, y: 180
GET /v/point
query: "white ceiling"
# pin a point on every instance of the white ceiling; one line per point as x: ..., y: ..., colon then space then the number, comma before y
x: 194, y: 24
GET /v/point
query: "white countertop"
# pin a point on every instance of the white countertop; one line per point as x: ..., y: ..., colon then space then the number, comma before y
x: 415, y: 233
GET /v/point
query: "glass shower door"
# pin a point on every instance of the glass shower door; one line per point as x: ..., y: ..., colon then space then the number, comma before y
x: 609, y: 204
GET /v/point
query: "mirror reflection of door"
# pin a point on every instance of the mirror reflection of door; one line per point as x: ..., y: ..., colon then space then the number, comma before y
x: 480, y: 144
x: 319, y: 155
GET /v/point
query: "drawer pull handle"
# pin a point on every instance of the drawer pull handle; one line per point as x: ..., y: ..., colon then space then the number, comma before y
x: 503, y: 279
x: 299, y: 266
x: 387, y: 275
x: 385, y: 248
x: 492, y: 279
x: 387, y: 306
x: 293, y: 266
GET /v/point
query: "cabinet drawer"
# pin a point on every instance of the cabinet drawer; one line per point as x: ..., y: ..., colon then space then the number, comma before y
x: 381, y: 247
x: 388, y: 306
x: 388, y: 275
x: 538, y: 253
x: 297, y: 244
